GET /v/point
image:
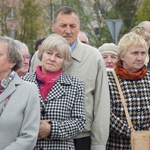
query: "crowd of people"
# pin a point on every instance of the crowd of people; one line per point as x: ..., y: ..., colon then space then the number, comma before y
x: 66, y: 97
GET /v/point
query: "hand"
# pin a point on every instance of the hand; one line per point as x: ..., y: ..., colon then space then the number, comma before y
x: 44, y: 130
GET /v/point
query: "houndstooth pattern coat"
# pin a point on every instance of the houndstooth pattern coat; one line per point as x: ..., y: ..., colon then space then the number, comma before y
x: 64, y: 106
x: 137, y: 96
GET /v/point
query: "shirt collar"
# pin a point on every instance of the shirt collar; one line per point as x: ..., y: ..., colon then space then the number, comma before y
x: 73, y: 45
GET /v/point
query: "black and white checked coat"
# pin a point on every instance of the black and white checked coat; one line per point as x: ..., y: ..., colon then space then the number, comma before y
x: 64, y: 106
x: 137, y: 96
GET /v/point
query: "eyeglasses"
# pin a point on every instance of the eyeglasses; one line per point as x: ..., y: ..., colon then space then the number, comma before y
x: 26, y: 57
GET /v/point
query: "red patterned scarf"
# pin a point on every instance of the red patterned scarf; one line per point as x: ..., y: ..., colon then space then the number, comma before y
x: 124, y: 74
x: 48, y: 80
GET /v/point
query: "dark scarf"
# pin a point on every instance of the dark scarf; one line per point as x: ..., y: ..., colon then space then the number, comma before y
x: 124, y: 74
x: 48, y: 80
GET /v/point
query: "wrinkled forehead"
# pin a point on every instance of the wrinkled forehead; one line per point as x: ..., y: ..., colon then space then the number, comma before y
x: 24, y: 51
x: 68, y: 17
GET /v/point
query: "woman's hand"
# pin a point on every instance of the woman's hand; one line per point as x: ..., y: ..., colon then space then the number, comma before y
x: 44, y: 130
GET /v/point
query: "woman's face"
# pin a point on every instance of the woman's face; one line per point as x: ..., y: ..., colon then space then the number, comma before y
x: 52, y: 61
x: 5, y: 65
x: 134, y: 58
x: 110, y: 60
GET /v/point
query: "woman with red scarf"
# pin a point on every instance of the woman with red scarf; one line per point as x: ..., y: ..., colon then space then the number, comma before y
x: 134, y: 79
x: 61, y: 96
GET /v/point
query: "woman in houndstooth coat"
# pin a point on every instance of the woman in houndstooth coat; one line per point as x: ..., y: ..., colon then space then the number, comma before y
x: 134, y: 79
x: 61, y: 96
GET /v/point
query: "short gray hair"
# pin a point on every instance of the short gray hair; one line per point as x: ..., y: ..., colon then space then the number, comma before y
x: 58, y: 42
x: 13, y: 52
x: 22, y: 45
x: 65, y: 10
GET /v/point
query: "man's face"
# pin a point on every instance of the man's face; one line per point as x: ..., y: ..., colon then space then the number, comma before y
x: 68, y: 26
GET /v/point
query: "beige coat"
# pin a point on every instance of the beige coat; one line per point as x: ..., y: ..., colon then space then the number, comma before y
x: 88, y: 66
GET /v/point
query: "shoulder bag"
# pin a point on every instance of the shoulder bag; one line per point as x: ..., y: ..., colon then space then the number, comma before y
x: 140, y: 140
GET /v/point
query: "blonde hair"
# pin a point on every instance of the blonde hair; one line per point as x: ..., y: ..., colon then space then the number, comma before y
x: 141, y: 31
x: 58, y: 42
x: 128, y: 40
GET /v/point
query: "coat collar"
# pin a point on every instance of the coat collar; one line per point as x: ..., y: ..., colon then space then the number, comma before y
x: 77, y: 52
x: 11, y: 88
x: 58, y: 89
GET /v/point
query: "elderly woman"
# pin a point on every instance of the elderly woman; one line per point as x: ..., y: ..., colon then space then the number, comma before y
x: 109, y: 54
x: 134, y: 80
x: 26, y: 59
x: 62, y: 96
x: 19, y: 104
x: 146, y: 36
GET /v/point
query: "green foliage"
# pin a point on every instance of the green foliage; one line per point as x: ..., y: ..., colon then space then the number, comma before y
x: 22, y: 17
x: 126, y: 11
x: 142, y: 12
x: 28, y: 13
x: 4, y: 11
x: 33, y: 18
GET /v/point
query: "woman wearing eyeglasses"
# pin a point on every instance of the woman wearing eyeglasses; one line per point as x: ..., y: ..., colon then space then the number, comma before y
x: 61, y: 96
x: 25, y: 59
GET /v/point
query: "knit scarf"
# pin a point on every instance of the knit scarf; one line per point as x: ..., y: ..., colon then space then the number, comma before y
x: 47, y: 80
x: 124, y: 74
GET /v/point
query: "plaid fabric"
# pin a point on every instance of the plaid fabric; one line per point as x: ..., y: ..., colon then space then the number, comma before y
x: 137, y: 95
x: 64, y: 106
